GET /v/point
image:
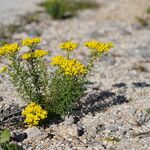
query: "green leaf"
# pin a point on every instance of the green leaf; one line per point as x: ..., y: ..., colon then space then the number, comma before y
x: 148, y: 110
x: 12, y: 147
x: 112, y: 139
x: 5, y: 136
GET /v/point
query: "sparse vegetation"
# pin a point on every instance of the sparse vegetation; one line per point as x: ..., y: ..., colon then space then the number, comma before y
x: 31, y: 17
x: 61, y: 9
x: 148, y: 10
x: 147, y: 110
x: 112, y: 139
x: 5, y: 141
x: 142, y: 21
x: 140, y: 68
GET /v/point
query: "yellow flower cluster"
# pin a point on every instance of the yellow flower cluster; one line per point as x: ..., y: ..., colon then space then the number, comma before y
x: 40, y: 53
x: 9, y: 49
x: 71, y: 67
x: 69, y: 46
x: 58, y: 60
x: 35, y: 54
x: 34, y: 113
x: 31, y: 41
x: 99, y: 46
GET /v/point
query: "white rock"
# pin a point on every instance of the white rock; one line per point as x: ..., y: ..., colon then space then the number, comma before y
x: 34, y: 134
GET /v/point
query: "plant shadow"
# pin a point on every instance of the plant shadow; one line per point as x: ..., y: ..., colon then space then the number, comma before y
x: 119, y: 85
x: 98, y: 101
x: 140, y: 84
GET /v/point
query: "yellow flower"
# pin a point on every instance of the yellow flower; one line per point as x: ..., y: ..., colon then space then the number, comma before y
x: 27, y: 56
x: 31, y: 41
x: 35, y: 54
x: 71, y: 67
x: 2, y: 51
x: 34, y: 113
x: 39, y: 53
x: 9, y: 49
x: 57, y: 60
x: 69, y: 46
x: 99, y: 46
x: 91, y: 44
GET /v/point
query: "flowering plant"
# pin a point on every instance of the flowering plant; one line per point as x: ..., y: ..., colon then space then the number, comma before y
x: 51, y: 92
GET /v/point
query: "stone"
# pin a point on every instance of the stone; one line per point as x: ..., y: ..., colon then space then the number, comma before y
x: 140, y: 52
x: 67, y: 131
x: 96, y: 146
x: 108, y: 60
x: 1, y: 148
x: 30, y: 148
x: 111, y: 148
x: 80, y: 131
x: 95, y: 34
x: 34, y: 134
x: 113, y: 128
x: 141, y: 118
x: 19, y: 137
x: 69, y: 120
x: 1, y: 99
x: 100, y: 128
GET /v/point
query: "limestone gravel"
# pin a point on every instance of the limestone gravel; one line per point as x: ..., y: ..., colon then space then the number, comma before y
x: 112, y: 114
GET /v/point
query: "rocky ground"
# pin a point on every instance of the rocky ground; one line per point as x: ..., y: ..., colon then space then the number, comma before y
x: 10, y: 10
x: 113, y: 114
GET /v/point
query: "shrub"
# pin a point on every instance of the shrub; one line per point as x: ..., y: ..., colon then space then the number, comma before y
x: 54, y: 90
x: 148, y: 110
x: 142, y: 21
x: 60, y: 9
x: 57, y: 8
x: 148, y: 10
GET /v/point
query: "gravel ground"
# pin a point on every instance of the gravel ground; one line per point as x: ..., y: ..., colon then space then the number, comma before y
x: 112, y: 116
x: 11, y: 9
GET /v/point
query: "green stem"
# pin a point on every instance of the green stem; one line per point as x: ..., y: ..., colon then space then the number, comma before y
x: 68, y: 55
x: 19, y: 72
x: 33, y: 71
x: 91, y: 63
